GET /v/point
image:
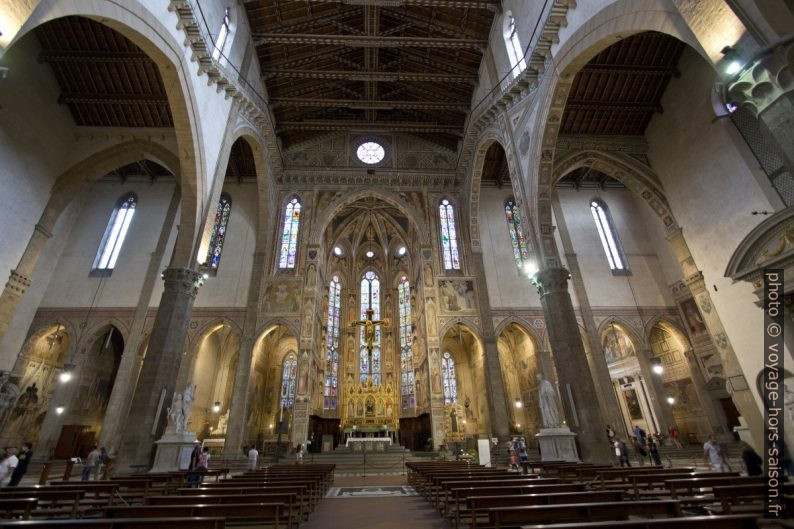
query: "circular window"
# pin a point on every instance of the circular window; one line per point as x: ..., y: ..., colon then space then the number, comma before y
x: 370, y: 152
x: 370, y: 254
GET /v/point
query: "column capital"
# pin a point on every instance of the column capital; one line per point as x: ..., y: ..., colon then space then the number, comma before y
x: 182, y: 281
x: 551, y: 280
x: 18, y: 283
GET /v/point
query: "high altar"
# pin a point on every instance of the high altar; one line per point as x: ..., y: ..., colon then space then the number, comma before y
x: 370, y: 414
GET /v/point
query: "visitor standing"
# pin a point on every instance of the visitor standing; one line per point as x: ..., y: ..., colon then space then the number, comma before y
x: 91, y: 461
x: 621, y: 452
x: 610, y: 434
x: 674, y: 436
x: 712, y: 453
x: 653, y: 453
x: 102, y: 462
x: 299, y: 454
x: 204, y: 459
x: 639, y: 451
x: 639, y: 433
x: 7, y: 466
x: 253, y: 455
x: 23, y: 458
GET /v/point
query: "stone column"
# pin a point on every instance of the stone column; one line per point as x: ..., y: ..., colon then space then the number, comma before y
x: 707, y: 403
x: 131, y: 359
x: 656, y: 394
x: 740, y: 393
x: 582, y: 412
x: 610, y: 409
x: 236, y: 430
x: 764, y: 86
x: 497, y: 398
x: 164, y: 354
x: 20, y: 278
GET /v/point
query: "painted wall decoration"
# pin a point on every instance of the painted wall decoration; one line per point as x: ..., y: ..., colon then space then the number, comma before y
x: 456, y: 296
x: 694, y: 320
x: 281, y: 297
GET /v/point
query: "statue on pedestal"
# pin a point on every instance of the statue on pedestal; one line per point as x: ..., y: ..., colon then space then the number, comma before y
x: 549, y: 404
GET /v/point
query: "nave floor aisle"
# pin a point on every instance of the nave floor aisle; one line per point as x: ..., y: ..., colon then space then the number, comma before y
x: 378, y: 502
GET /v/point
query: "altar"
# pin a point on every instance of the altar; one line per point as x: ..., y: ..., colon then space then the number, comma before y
x: 369, y: 433
x: 368, y: 444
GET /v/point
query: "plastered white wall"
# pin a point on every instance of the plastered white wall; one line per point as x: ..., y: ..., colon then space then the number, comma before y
x: 712, y: 190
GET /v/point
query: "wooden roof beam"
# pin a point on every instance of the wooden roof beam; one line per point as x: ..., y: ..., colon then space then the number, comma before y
x: 370, y: 127
x: 361, y: 104
x: 632, y: 69
x: 367, y: 41
x: 111, y: 99
x: 369, y: 76
x: 587, y: 104
x: 94, y: 56
x: 493, y: 5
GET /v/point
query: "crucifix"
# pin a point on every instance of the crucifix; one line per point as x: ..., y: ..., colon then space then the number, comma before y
x: 369, y: 329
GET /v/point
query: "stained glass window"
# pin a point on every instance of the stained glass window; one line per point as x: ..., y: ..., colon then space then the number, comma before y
x: 609, y: 238
x: 332, y: 344
x: 115, y: 233
x: 406, y: 344
x: 449, y: 236
x: 370, y: 299
x: 288, y: 378
x: 449, y: 379
x: 513, y: 216
x: 218, y: 235
x: 289, y: 235
x: 513, y: 45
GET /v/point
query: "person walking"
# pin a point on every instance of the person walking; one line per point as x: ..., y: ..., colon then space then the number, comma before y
x: 7, y: 466
x: 639, y: 451
x: 639, y: 433
x: 23, y: 458
x: 253, y: 455
x: 653, y: 453
x: 610, y: 434
x: 91, y: 461
x: 674, y: 437
x: 621, y: 452
x: 101, y: 462
x: 712, y: 454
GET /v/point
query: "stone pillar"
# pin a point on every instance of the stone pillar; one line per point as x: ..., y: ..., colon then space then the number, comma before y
x: 236, y: 430
x: 740, y: 392
x: 131, y: 359
x: 20, y: 278
x: 716, y: 424
x: 164, y: 354
x: 656, y: 394
x: 494, y: 384
x: 583, y: 414
x: 610, y: 409
x: 764, y: 86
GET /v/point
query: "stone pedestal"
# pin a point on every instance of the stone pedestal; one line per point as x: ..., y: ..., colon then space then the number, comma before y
x: 173, y: 451
x: 557, y: 444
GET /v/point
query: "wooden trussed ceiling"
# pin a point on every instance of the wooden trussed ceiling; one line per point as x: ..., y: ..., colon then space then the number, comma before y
x: 621, y: 88
x: 371, y: 67
x: 104, y: 79
x: 241, y: 164
x: 142, y: 169
x: 495, y: 172
x: 588, y: 178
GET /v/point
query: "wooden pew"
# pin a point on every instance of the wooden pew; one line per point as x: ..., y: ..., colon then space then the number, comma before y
x: 122, y: 523
x: 314, y: 492
x: 457, y: 507
x: 300, y: 492
x: 445, y: 496
x: 288, y: 499
x: 480, y: 506
x: 622, y: 475
x: 232, y: 512
x: 649, y: 482
x: 10, y: 507
x: 730, y: 497
x: 50, y: 502
x: 438, y: 486
x: 504, y: 517
x: 691, y: 486
x: 740, y: 521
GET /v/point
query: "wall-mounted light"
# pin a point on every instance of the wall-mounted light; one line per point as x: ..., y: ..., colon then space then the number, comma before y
x: 671, y: 400
x: 217, y: 406
x: 66, y: 374
x: 59, y: 410
x: 519, y: 404
x: 656, y: 365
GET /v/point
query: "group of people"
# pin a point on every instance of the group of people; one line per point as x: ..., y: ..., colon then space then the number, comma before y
x: 94, y: 461
x: 642, y: 445
x: 14, y: 465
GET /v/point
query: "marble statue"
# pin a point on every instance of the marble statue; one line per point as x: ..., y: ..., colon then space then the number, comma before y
x: 187, y: 400
x: 175, y: 420
x: 223, y: 422
x: 549, y: 404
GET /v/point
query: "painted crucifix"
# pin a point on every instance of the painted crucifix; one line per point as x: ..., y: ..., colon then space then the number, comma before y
x: 369, y: 329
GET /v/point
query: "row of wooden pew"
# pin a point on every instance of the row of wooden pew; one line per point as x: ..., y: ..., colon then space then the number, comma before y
x: 587, y: 495
x: 278, y: 496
